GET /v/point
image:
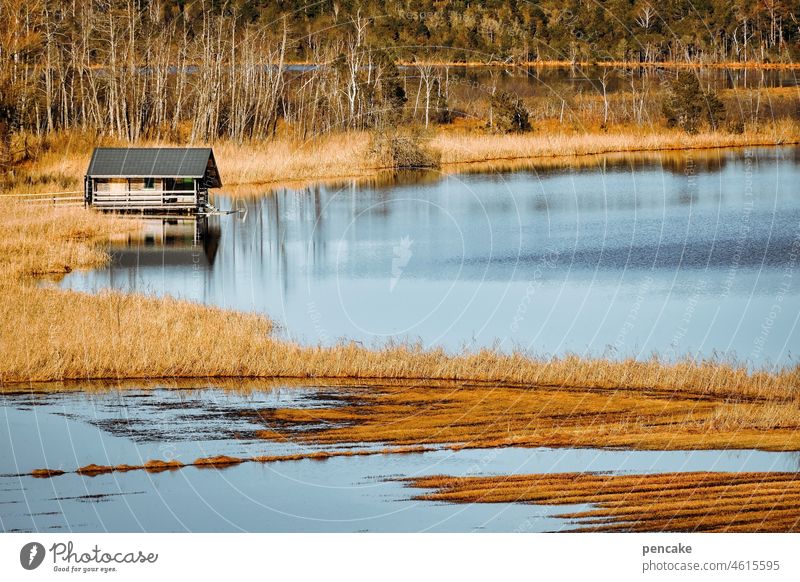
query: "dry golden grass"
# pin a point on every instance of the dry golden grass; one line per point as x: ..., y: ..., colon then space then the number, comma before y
x: 46, y: 473
x: 93, y: 470
x: 289, y: 161
x: 666, y: 502
x: 157, y: 466
x: 43, y: 240
x: 50, y: 334
x: 469, y: 148
x: 60, y: 165
x: 217, y: 461
x: 469, y: 415
x: 45, y: 328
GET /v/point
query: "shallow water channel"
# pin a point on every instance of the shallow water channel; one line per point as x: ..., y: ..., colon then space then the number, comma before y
x: 73, y: 428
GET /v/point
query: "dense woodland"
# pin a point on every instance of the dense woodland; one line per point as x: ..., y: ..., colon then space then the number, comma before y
x: 523, y: 30
x: 201, y: 70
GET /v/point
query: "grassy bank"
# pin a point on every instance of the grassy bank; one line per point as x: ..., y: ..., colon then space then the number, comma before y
x: 59, y: 164
x: 666, y: 502
x: 46, y: 330
x: 458, y: 150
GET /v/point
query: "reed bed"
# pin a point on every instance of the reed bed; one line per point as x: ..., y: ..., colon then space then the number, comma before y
x: 665, y: 502
x: 287, y: 161
x: 469, y: 415
x: 480, y: 148
x: 47, y: 328
x: 112, y: 335
x: 609, y: 64
x: 55, y: 335
x: 59, y: 162
x: 327, y: 157
x: 43, y: 240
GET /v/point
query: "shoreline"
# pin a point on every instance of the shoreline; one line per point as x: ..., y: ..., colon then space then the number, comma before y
x: 655, y: 150
x: 494, y: 164
x: 289, y: 163
x: 84, y: 233
x: 460, y: 150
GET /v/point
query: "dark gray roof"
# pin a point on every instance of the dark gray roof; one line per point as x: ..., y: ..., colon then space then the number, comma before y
x: 155, y: 163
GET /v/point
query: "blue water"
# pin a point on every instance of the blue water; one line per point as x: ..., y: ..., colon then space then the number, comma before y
x: 691, y: 253
x: 72, y: 429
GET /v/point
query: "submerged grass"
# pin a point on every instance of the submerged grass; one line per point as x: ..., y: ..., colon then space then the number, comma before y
x: 470, y: 415
x: 666, y: 502
x: 221, y: 462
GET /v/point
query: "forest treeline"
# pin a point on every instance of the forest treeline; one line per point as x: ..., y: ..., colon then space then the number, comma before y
x: 209, y: 69
x: 563, y: 30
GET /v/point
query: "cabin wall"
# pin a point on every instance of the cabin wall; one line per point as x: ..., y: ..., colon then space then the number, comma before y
x: 123, y: 184
x: 162, y: 194
x: 138, y: 184
x: 112, y: 185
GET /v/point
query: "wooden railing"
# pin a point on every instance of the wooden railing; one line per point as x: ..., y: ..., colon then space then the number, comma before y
x: 55, y: 198
x: 143, y: 199
x: 121, y: 199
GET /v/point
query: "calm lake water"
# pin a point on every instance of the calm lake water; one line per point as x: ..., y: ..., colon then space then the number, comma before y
x: 563, y: 81
x: 690, y: 253
x: 73, y: 429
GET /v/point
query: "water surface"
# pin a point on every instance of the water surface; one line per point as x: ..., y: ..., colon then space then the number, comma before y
x: 689, y: 253
x: 71, y: 429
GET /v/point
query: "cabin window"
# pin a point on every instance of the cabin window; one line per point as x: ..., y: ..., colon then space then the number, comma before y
x: 149, y: 184
x: 173, y: 184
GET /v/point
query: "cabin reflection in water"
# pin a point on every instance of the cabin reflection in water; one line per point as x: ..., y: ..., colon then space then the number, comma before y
x: 169, y: 241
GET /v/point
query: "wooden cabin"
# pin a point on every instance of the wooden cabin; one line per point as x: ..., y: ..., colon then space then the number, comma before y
x: 151, y: 179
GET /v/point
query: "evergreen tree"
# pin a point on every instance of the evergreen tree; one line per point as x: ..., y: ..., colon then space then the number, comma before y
x: 686, y: 104
x: 442, y: 112
x: 509, y: 114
